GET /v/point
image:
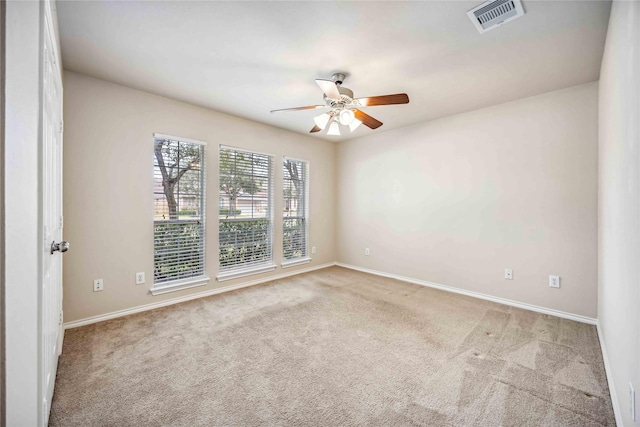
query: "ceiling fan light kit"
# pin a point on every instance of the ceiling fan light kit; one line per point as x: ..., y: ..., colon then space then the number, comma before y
x: 322, y: 120
x: 354, y: 124
x: 334, y: 129
x: 346, y: 117
x: 345, y: 109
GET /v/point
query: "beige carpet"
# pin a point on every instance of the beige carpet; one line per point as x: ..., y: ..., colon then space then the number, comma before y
x: 333, y: 348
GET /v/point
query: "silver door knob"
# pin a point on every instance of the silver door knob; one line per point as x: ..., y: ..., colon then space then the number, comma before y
x: 60, y: 246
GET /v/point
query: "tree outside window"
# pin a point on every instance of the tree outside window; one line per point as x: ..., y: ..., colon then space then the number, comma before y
x: 178, y: 209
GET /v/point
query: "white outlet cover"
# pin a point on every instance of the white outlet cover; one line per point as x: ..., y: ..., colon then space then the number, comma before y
x: 508, y: 274
x: 554, y: 281
x: 98, y: 285
x: 139, y: 278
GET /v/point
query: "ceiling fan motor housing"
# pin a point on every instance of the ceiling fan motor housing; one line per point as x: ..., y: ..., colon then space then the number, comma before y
x: 345, y: 101
x: 346, y: 91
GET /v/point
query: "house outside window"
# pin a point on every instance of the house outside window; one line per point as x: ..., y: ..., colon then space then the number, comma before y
x: 179, y: 212
x: 295, y: 187
x: 246, y: 212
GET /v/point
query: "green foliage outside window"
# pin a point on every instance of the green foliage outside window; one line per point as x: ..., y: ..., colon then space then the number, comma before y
x: 243, y: 242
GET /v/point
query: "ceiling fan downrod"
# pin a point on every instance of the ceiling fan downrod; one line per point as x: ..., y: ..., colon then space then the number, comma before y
x: 338, y: 78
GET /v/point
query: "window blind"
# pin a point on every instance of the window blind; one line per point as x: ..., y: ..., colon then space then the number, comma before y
x: 179, y: 209
x: 246, y: 209
x: 295, y: 185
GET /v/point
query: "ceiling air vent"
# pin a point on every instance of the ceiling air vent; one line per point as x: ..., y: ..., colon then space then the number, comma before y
x: 494, y: 13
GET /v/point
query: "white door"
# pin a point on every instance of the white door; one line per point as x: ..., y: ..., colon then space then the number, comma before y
x: 51, y: 308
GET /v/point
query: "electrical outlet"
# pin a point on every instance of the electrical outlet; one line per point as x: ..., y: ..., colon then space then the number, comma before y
x: 139, y: 278
x: 313, y: 249
x: 554, y: 281
x: 98, y: 285
x: 632, y: 402
x: 508, y: 274
x: 366, y: 251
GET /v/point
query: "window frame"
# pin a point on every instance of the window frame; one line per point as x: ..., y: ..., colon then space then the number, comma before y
x: 306, y: 258
x: 242, y: 270
x: 172, y: 285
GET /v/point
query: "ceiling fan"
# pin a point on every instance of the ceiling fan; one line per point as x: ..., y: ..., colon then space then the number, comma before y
x: 345, y: 109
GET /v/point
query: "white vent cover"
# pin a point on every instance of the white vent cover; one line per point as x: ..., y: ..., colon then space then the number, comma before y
x: 494, y: 13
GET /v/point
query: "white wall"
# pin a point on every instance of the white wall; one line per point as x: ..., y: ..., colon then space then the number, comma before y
x: 2, y: 224
x: 457, y: 200
x: 108, y: 200
x: 619, y: 201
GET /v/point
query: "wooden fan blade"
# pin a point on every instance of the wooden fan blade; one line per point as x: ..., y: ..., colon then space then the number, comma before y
x: 372, y: 101
x: 308, y: 107
x: 329, y: 88
x: 367, y: 120
x: 315, y: 129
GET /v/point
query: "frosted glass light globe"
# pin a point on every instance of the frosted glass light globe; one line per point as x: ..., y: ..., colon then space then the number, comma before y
x: 346, y: 117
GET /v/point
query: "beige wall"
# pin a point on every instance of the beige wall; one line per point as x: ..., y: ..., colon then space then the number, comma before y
x: 455, y: 201
x: 619, y: 202
x: 108, y: 203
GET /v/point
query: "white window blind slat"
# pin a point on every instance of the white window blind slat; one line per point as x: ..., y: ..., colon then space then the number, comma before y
x: 246, y: 209
x: 295, y: 185
x: 179, y: 209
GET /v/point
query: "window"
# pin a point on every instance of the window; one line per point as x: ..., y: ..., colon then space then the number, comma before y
x: 295, y: 186
x: 246, y: 213
x: 179, y: 213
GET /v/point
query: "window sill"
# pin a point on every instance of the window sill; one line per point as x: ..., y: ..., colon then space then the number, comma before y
x: 294, y: 262
x: 179, y: 285
x: 234, y: 274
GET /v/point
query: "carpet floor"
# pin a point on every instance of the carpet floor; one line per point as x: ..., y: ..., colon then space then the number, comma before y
x: 334, y: 347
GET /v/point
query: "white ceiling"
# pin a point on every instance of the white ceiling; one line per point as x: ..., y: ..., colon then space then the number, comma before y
x: 247, y: 58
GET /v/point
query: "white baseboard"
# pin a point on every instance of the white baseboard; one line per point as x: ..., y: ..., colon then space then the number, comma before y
x: 562, y: 314
x: 147, y: 307
x: 549, y: 311
x: 607, y: 369
x: 578, y: 318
